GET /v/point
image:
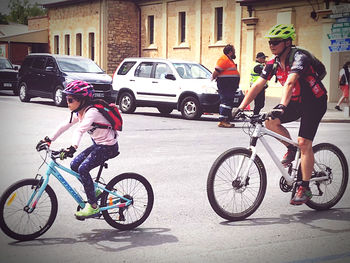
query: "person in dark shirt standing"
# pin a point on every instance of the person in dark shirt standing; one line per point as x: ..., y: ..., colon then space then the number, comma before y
x: 259, y: 101
x: 303, y: 96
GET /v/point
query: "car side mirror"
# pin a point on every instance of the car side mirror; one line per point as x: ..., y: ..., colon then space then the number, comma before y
x: 170, y: 76
x: 15, y: 67
x: 49, y: 69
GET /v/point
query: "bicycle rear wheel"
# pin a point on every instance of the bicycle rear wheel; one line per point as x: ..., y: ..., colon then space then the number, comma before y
x: 228, y: 196
x: 330, y: 162
x: 16, y: 221
x: 133, y: 187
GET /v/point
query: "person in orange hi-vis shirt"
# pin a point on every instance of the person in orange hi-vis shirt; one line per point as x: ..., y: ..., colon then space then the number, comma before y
x: 227, y: 77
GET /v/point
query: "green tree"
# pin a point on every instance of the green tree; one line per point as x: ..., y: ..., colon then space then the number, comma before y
x: 20, y: 10
x: 3, y: 19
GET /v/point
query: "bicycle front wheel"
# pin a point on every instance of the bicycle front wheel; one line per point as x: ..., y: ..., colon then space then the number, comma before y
x: 329, y: 162
x: 133, y: 187
x: 228, y: 195
x: 16, y: 220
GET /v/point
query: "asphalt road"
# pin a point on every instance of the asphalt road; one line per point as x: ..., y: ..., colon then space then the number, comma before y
x: 175, y: 155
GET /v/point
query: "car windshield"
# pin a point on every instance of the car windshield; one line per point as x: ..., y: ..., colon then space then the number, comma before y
x: 5, y: 64
x: 192, y: 71
x: 78, y: 65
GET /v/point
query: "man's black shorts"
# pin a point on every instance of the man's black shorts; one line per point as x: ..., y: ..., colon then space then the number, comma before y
x: 310, y: 114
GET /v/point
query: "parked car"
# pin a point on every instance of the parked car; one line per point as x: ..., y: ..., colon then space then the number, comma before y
x: 8, y: 75
x: 46, y: 75
x: 167, y: 85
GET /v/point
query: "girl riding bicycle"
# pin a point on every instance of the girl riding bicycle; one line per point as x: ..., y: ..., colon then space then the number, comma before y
x: 79, y: 95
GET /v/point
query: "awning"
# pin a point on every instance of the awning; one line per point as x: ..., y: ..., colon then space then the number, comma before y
x: 37, y: 36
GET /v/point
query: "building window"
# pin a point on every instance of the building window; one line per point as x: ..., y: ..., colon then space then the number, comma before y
x: 78, y: 44
x: 150, y: 30
x: 182, y: 27
x: 218, y: 23
x: 56, y: 45
x: 67, y: 44
x: 92, y: 46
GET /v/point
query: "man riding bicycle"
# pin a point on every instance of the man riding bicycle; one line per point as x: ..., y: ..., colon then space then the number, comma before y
x: 303, y: 96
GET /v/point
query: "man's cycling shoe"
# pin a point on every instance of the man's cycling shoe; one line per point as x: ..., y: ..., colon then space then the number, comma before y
x: 289, y: 156
x: 87, y: 212
x: 302, y: 196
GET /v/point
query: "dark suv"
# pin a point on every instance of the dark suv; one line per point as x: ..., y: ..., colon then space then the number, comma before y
x: 46, y: 75
x: 8, y: 75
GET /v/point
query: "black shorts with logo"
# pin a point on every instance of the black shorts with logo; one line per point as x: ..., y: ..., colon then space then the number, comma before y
x: 310, y: 114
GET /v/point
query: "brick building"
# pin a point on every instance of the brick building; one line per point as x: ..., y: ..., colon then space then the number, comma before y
x: 104, y: 30
x: 109, y: 30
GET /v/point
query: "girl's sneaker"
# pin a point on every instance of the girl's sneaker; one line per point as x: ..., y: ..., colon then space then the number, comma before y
x: 87, y: 212
x: 98, y: 192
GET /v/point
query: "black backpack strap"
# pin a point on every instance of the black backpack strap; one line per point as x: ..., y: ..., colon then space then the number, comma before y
x: 291, y: 56
x: 274, y: 70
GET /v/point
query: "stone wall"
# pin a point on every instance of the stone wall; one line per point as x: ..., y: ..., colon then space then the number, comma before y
x: 70, y: 20
x: 122, y: 32
x: 38, y: 22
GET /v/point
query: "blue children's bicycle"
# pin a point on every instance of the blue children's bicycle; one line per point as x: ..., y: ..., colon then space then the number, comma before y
x: 28, y: 208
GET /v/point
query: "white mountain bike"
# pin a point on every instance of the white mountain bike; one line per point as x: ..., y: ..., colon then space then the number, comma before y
x: 236, y: 182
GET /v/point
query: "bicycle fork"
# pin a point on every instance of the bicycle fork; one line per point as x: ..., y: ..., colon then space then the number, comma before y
x: 38, y: 191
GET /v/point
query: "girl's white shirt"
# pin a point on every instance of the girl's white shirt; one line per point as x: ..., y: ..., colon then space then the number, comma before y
x: 85, y: 121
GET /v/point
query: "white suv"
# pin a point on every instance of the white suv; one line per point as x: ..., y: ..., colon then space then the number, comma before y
x: 167, y: 85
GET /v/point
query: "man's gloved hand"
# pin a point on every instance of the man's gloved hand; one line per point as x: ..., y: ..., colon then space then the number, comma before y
x: 277, y: 111
x: 42, y: 143
x: 236, y: 112
x: 65, y: 153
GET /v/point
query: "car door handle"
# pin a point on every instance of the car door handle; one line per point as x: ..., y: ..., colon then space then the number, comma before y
x: 154, y: 81
x: 132, y: 80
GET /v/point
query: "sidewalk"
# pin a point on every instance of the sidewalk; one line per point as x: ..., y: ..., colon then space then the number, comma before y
x: 332, y: 115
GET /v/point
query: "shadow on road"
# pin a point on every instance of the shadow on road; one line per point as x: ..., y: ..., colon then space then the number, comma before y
x: 337, y: 220
x: 7, y: 93
x: 107, y: 240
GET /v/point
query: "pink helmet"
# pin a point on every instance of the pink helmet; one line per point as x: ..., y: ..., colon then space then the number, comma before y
x: 79, y: 88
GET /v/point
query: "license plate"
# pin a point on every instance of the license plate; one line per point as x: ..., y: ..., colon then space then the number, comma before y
x: 99, y: 95
x: 8, y: 85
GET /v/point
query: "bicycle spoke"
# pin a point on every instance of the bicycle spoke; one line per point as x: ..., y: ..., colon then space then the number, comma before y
x: 229, y: 196
x: 19, y: 221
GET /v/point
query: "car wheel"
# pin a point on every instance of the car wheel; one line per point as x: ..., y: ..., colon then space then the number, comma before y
x: 165, y: 110
x: 58, y: 97
x: 191, y: 108
x: 127, y: 103
x: 23, y: 92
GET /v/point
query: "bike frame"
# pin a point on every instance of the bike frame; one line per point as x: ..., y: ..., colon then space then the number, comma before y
x: 258, y: 133
x: 52, y: 169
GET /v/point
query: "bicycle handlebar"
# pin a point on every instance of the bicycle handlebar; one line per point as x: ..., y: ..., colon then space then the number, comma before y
x: 53, y: 154
x: 260, y: 118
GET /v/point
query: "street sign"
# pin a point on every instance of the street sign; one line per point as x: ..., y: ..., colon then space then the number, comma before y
x: 344, y: 41
x: 339, y: 48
